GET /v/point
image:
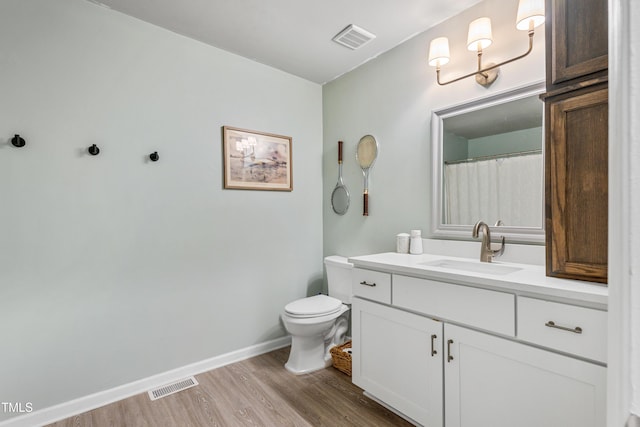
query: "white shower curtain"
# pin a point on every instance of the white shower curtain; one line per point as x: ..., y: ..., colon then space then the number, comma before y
x: 507, y: 189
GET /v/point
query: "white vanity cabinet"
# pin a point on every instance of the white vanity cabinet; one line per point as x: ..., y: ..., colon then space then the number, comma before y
x: 575, y: 330
x: 397, y: 358
x: 454, y: 355
x: 484, y: 309
x: 491, y: 381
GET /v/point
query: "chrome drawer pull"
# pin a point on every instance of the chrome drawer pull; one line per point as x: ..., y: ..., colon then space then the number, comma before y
x: 364, y: 282
x: 552, y: 324
x: 433, y: 349
x: 449, y: 356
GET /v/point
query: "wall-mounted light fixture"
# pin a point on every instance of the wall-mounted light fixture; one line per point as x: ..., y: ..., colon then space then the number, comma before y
x: 530, y: 15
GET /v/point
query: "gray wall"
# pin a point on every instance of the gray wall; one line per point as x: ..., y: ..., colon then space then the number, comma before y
x: 392, y: 97
x: 113, y: 268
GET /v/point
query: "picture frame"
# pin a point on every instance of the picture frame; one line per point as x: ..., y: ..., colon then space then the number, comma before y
x: 256, y: 160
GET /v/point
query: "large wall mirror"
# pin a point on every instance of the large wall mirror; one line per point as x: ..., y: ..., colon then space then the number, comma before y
x: 488, y: 164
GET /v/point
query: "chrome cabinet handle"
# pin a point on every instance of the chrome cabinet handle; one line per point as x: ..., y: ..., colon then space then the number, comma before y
x: 449, y: 356
x: 552, y: 324
x: 364, y: 282
x: 433, y: 348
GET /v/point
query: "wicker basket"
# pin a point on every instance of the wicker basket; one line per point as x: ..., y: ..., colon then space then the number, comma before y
x: 342, y: 359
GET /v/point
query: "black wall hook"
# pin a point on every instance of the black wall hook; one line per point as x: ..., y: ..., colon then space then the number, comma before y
x: 17, y: 141
x: 154, y: 156
x: 94, y: 150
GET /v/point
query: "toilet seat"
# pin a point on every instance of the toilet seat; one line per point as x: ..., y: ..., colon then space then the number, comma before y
x: 315, y: 306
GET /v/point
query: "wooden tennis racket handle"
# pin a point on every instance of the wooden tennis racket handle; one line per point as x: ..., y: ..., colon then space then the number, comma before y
x: 339, y: 151
x: 365, y: 204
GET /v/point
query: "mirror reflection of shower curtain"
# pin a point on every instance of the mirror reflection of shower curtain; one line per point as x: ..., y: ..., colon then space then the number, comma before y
x: 507, y: 188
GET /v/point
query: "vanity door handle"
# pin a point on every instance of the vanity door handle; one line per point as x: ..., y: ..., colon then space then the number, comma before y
x: 433, y: 348
x: 364, y: 282
x: 552, y: 324
x: 449, y: 356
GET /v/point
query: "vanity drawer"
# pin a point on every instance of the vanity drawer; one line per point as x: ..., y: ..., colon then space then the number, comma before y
x: 372, y: 285
x: 480, y: 308
x: 576, y: 330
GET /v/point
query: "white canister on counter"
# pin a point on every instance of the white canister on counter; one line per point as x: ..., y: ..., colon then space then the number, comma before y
x: 402, y: 243
x: 415, y: 246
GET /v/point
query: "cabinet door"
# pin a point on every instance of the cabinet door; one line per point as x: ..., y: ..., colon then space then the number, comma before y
x: 397, y: 358
x: 577, y: 186
x: 576, y: 40
x: 491, y: 381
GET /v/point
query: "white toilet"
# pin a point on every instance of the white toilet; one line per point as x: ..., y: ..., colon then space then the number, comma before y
x: 319, y: 322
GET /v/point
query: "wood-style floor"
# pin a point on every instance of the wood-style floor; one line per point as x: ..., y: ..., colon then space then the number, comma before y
x: 253, y: 392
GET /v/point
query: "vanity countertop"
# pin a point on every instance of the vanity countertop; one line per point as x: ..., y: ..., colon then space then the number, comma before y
x: 521, y: 279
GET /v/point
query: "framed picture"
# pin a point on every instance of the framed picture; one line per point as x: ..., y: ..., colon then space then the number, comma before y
x: 256, y: 160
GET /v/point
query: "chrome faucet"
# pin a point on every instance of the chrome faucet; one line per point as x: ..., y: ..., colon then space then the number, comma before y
x: 486, y: 253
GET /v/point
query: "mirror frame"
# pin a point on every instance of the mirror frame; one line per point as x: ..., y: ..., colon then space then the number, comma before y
x: 440, y: 230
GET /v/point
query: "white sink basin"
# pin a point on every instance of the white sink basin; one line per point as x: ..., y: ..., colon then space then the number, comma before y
x: 476, y: 267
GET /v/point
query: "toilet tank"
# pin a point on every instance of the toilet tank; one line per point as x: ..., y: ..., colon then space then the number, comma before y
x: 339, y: 277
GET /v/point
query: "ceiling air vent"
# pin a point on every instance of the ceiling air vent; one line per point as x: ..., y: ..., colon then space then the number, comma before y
x: 168, y: 389
x: 353, y: 37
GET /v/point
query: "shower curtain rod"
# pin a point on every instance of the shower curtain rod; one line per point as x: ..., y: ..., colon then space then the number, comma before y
x: 495, y: 156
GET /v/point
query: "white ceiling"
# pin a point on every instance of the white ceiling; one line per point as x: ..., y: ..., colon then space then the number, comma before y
x: 294, y: 35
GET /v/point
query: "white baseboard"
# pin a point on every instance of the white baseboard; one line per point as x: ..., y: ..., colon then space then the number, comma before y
x: 77, y: 406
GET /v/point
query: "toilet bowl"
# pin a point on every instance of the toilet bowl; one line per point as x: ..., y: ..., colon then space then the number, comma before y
x: 319, y: 322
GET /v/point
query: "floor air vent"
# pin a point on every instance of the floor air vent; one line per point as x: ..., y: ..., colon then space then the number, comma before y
x: 353, y: 37
x: 168, y: 389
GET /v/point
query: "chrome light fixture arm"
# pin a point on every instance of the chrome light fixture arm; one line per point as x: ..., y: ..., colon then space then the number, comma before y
x: 483, y: 76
